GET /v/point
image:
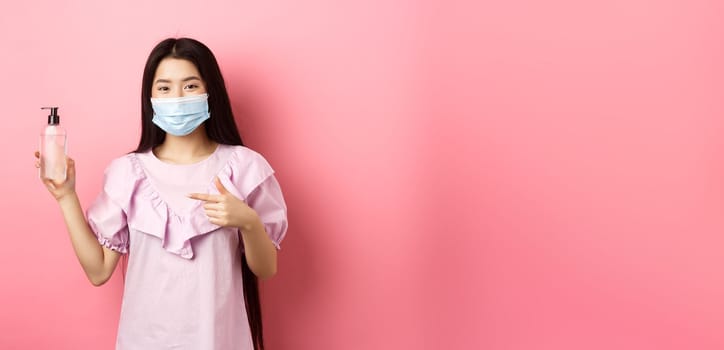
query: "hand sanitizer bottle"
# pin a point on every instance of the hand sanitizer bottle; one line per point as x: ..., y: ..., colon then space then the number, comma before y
x: 53, y: 148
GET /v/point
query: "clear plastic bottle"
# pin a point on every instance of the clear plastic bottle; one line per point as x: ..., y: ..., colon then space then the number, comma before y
x: 53, y: 148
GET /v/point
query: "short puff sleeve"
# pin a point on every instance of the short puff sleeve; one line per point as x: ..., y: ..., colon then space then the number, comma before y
x: 106, y: 216
x: 268, y: 202
x: 250, y: 177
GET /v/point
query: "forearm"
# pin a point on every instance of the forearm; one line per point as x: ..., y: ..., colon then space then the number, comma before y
x: 261, y: 254
x: 91, y: 255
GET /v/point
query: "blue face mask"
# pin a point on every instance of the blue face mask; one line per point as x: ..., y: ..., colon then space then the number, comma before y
x: 180, y: 116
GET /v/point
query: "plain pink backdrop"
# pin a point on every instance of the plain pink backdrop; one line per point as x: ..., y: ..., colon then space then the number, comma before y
x: 471, y: 175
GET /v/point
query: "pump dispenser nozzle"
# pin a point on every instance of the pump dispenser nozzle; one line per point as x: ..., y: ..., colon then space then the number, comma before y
x: 53, y: 117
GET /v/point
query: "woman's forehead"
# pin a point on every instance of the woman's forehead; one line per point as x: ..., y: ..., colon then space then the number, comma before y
x: 176, y: 69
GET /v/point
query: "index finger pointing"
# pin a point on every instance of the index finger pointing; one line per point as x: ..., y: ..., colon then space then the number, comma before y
x: 203, y: 197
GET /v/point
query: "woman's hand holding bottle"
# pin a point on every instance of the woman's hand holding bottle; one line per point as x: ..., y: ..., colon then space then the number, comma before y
x: 63, y: 189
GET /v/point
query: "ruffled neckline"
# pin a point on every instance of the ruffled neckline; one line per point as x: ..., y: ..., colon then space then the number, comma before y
x: 241, y: 171
x: 152, y: 215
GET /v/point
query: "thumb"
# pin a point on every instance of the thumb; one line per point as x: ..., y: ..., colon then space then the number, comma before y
x: 220, y: 186
x: 71, y: 167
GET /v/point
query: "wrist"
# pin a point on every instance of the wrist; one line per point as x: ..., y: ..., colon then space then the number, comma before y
x: 253, y: 225
x: 68, y: 199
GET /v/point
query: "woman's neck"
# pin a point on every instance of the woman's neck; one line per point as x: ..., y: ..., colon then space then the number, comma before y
x: 188, y: 149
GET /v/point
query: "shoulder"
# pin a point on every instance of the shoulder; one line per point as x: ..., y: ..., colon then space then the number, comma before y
x: 245, y: 157
x: 123, y: 169
x: 245, y: 169
x: 122, y: 164
x: 121, y: 177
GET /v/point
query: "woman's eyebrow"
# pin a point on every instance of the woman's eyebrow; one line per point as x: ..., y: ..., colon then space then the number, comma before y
x: 183, y: 80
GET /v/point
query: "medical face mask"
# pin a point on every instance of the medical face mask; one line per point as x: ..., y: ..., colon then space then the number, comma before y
x: 180, y: 116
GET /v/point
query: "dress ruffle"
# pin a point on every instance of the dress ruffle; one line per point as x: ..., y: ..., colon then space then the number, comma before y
x: 147, y: 212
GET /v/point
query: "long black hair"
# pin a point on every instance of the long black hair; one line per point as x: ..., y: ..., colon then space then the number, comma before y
x: 220, y: 128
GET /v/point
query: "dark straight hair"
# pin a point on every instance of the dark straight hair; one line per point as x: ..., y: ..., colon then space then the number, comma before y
x: 220, y: 127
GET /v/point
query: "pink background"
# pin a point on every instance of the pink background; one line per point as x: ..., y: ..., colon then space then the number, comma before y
x: 472, y: 175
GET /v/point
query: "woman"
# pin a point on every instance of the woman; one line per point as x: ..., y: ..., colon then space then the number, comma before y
x: 199, y: 215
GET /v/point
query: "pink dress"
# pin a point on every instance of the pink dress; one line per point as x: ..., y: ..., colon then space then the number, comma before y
x: 183, y: 287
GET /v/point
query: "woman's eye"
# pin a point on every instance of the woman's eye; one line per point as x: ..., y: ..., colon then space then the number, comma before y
x: 162, y: 88
x: 190, y: 86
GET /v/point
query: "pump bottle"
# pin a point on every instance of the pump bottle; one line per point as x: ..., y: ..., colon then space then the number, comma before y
x: 53, y: 148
